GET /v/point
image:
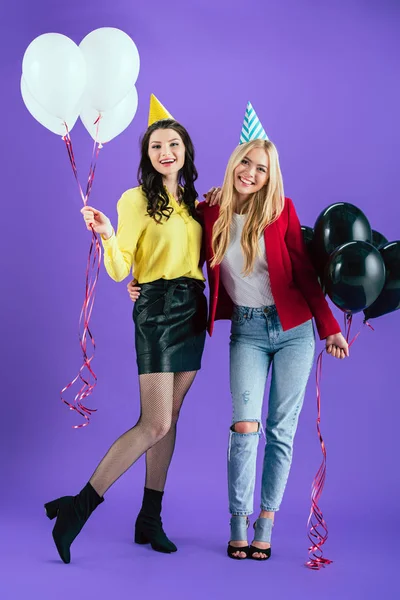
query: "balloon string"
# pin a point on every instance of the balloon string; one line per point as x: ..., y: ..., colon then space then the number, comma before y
x: 95, y: 153
x: 86, y: 375
x: 368, y: 324
x: 318, y: 529
x: 348, y: 321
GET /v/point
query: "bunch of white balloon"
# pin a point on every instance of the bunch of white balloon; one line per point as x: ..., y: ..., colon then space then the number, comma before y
x: 96, y: 81
x: 62, y: 81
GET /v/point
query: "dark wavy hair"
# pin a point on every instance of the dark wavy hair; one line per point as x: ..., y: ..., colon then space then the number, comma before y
x: 151, y: 180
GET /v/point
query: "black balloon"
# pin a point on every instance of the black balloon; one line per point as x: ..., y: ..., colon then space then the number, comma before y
x: 336, y: 225
x: 354, y: 276
x: 308, y: 236
x: 389, y: 299
x: 308, y: 233
x: 378, y: 240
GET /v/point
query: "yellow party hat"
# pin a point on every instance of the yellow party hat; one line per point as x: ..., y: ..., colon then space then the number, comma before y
x: 157, y: 111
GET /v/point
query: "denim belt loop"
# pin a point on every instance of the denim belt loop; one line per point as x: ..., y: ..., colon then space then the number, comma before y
x: 249, y: 313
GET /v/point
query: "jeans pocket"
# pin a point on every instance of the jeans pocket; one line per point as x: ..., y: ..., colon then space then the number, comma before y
x: 237, y: 316
x: 306, y: 328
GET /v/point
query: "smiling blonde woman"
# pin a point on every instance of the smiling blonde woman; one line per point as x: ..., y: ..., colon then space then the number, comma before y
x: 261, y: 278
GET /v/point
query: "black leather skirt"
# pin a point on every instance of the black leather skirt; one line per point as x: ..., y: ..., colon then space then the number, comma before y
x: 170, y: 319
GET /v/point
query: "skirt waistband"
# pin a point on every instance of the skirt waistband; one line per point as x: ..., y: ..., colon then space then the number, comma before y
x: 168, y: 283
x: 166, y: 288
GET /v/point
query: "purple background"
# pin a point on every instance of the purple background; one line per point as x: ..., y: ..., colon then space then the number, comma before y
x: 323, y: 78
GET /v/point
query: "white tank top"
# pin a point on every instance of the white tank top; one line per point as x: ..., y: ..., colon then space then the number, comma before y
x: 252, y: 290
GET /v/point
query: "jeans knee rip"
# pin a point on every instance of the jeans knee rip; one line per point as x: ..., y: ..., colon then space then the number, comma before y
x: 233, y: 430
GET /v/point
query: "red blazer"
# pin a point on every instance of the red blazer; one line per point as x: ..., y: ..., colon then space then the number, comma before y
x: 294, y: 283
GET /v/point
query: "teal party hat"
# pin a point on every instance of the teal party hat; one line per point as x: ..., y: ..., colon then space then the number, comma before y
x: 252, y: 128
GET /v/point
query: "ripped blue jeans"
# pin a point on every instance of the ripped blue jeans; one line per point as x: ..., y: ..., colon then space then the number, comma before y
x: 257, y: 342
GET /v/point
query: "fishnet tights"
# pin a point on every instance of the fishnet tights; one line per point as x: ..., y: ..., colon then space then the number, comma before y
x: 159, y: 401
x: 158, y: 458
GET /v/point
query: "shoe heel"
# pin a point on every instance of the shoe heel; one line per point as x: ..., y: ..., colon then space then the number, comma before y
x: 141, y: 538
x: 51, y: 509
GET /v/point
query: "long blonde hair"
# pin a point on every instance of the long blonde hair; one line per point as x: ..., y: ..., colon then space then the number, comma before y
x: 264, y: 207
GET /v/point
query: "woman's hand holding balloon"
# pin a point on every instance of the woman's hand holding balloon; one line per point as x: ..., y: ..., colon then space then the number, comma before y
x: 97, y: 221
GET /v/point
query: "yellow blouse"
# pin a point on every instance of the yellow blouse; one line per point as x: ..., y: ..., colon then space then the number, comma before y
x: 152, y: 250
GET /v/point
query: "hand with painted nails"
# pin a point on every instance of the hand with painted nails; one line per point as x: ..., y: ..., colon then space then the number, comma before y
x: 213, y: 196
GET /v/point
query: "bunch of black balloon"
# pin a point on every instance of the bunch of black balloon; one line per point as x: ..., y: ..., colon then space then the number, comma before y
x: 358, y: 268
x: 389, y: 298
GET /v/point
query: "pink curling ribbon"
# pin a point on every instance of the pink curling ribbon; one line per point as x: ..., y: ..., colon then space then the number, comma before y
x: 86, y: 376
x: 318, y: 529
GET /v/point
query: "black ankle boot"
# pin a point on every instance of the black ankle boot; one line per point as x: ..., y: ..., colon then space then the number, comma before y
x: 148, y: 527
x: 72, y: 512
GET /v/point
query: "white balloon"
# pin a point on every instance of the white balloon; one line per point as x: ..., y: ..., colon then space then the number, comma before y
x: 112, y: 64
x: 54, y: 69
x: 113, y: 121
x: 37, y: 111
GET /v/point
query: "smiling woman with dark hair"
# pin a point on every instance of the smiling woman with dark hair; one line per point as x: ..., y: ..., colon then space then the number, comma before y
x: 158, y: 240
x: 152, y: 181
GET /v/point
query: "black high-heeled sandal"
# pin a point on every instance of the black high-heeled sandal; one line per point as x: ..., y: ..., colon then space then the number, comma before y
x: 239, y: 526
x: 263, y: 532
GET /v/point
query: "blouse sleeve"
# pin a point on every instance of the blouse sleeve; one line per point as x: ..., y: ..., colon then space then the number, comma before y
x: 306, y: 278
x: 120, y: 248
